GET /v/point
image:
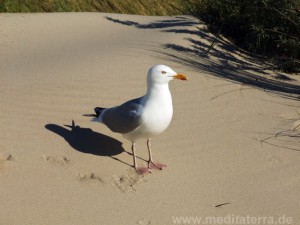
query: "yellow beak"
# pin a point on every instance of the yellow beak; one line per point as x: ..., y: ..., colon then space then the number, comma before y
x: 180, y: 77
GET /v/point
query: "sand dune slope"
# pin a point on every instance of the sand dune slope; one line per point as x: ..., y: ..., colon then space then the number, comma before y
x: 58, y: 168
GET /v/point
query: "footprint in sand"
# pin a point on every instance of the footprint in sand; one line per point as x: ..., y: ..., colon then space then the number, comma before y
x: 271, y: 158
x: 90, y: 177
x: 4, y: 157
x: 144, y: 222
x: 127, y: 183
x: 58, y: 160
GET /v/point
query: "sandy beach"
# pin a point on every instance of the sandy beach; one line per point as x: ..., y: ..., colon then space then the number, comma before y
x: 232, y: 148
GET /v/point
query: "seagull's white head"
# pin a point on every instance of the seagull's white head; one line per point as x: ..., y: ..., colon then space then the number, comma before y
x: 160, y: 74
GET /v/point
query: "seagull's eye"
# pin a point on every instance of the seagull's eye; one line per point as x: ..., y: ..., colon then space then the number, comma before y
x: 163, y: 72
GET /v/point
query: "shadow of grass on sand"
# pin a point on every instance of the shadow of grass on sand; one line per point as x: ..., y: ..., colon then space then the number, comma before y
x: 216, y: 56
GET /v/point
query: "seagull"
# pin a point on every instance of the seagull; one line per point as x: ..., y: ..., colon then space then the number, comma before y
x: 144, y: 117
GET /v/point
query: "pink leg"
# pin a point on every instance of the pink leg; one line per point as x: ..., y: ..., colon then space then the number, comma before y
x: 151, y: 163
x: 139, y: 170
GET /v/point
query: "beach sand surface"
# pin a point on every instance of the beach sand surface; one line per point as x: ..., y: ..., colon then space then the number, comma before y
x: 58, y: 168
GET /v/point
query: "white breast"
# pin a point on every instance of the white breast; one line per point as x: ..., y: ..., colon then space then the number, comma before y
x: 156, y: 116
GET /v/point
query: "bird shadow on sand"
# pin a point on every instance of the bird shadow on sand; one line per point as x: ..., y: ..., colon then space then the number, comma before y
x: 86, y: 140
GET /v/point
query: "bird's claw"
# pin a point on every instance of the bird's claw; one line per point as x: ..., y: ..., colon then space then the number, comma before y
x: 142, y: 170
x: 151, y: 165
x: 157, y: 166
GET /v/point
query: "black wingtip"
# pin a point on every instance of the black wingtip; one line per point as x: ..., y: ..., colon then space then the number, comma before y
x: 90, y: 115
x: 98, y: 110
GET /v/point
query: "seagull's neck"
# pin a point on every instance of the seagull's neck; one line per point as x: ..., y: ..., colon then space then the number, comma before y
x: 158, y: 109
x: 159, y: 92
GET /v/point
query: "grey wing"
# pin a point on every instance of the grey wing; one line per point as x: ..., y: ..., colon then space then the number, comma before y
x: 124, y: 118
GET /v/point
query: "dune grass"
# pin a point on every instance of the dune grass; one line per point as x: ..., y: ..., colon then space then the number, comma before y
x: 141, y: 7
x: 267, y: 27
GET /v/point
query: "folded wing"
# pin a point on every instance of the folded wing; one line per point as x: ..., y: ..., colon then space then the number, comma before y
x: 124, y: 118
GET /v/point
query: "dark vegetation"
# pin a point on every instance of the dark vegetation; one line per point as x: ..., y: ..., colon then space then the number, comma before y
x: 267, y: 27
x: 141, y: 7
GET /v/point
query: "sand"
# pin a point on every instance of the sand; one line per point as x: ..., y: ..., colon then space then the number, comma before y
x: 222, y: 156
